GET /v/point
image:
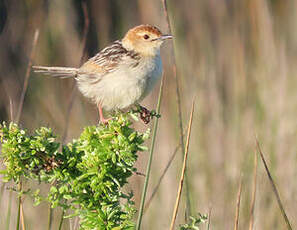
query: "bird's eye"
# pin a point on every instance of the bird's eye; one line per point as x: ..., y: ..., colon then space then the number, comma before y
x: 146, y: 36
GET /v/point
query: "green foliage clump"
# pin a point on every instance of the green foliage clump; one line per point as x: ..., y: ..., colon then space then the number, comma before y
x: 194, y: 222
x: 86, y: 175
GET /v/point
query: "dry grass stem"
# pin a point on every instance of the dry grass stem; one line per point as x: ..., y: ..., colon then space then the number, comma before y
x: 209, y: 219
x: 179, y: 108
x: 273, y: 187
x: 21, y: 103
x: 22, y: 216
x: 50, y: 217
x: 61, y: 220
x: 73, y: 88
x: 8, y: 215
x: 181, y: 182
x: 20, y: 108
x: 252, y: 211
x: 236, y: 219
x: 10, y: 109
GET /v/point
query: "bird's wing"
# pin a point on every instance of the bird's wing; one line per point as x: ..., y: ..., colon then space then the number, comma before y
x: 107, y: 60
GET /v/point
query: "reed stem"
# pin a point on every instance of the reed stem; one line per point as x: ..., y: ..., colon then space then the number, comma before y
x: 148, y: 169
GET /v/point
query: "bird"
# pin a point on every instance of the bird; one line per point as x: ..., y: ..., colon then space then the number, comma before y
x: 120, y: 75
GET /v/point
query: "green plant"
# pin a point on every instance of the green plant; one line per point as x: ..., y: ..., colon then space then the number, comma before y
x: 86, y: 175
x: 194, y: 222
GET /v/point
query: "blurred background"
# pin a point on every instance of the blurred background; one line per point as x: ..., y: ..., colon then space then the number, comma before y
x: 237, y: 57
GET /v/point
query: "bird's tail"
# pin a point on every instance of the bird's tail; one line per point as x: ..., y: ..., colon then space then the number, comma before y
x: 62, y: 72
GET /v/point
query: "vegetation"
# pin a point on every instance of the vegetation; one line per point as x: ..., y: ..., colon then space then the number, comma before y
x: 86, y: 175
x: 237, y: 57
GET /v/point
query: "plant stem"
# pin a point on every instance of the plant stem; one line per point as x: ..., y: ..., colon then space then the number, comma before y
x: 252, y: 211
x: 179, y: 110
x: 20, y: 108
x: 274, y: 187
x: 209, y: 219
x: 19, y: 205
x: 50, y: 217
x: 22, y: 217
x: 148, y: 169
x: 236, y: 219
x: 181, y: 181
x: 61, y: 220
x: 19, y: 213
x: 36, y: 35
x: 9, y: 211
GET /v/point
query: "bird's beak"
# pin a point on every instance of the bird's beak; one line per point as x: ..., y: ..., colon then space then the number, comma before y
x: 163, y: 37
x: 166, y: 36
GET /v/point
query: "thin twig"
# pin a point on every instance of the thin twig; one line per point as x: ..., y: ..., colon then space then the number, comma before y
x: 148, y: 168
x: 236, y: 219
x: 25, y: 86
x: 181, y: 182
x: 209, y: 219
x: 61, y: 220
x: 9, y: 211
x: 20, y: 204
x: 10, y: 101
x: 1, y: 192
x: 273, y: 186
x: 251, y: 225
x: 161, y: 178
x: 73, y: 88
x: 178, y: 100
x: 20, y: 108
x: 22, y: 216
x: 50, y: 218
x: 10, y: 109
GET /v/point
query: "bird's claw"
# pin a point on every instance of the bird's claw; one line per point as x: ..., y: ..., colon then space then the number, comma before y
x: 145, y: 114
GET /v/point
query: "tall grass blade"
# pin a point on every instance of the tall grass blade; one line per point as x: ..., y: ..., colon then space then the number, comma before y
x: 25, y: 86
x: 181, y: 181
x: 148, y: 168
x: 209, y: 219
x: 274, y: 187
x: 20, y: 108
x: 236, y: 219
x: 252, y: 211
x: 179, y: 109
x: 23, y: 217
x: 50, y: 218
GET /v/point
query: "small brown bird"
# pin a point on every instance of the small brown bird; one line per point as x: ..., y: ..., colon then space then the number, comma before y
x: 120, y: 75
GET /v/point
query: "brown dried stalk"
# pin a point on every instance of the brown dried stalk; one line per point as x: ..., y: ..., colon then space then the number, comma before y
x: 178, y: 100
x: 251, y: 225
x: 236, y: 219
x: 181, y: 181
x: 25, y: 86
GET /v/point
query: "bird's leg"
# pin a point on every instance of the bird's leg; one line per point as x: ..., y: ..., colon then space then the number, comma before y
x: 102, y: 119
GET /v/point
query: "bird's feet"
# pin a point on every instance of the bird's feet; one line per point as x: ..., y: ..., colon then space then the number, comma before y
x: 105, y: 120
x: 145, y: 114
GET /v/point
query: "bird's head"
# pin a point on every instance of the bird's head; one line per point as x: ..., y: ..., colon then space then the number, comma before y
x: 144, y: 39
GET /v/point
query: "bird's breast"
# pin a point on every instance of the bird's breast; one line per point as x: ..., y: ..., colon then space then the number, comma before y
x: 149, y: 73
